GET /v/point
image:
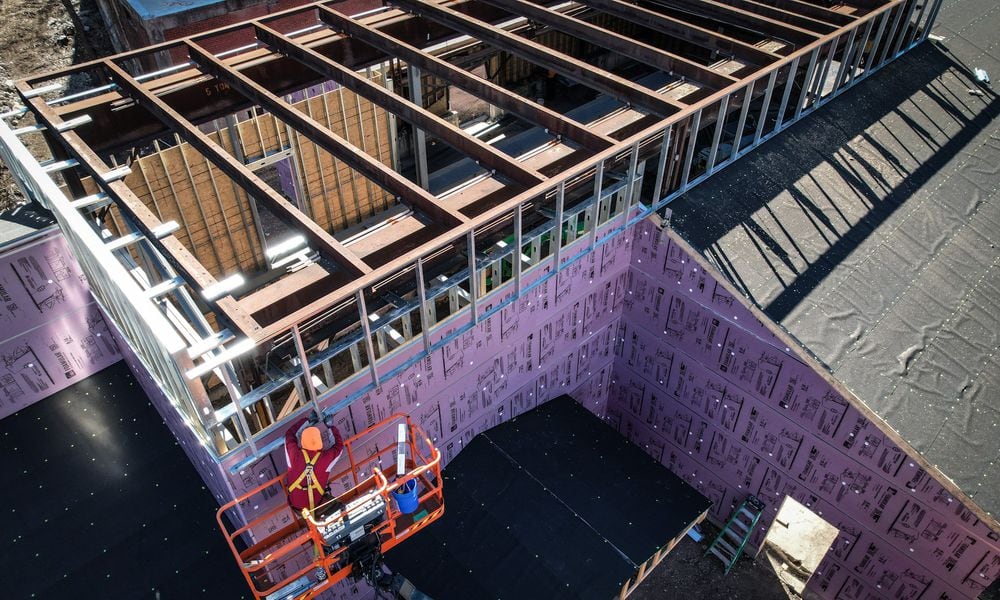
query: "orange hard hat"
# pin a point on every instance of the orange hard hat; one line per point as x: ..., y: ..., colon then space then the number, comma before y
x: 312, y: 439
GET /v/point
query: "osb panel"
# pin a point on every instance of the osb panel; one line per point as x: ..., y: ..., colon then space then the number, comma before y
x: 338, y: 196
x: 179, y: 184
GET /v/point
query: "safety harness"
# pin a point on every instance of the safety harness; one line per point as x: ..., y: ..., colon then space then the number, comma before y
x: 311, y: 483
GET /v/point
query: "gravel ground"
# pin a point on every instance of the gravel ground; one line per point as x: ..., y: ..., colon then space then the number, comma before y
x: 38, y: 36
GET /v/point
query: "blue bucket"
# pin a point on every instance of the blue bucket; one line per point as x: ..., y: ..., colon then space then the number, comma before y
x: 406, y: 497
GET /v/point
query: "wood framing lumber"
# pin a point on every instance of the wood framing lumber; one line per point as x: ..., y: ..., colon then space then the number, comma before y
x: 238, y: 172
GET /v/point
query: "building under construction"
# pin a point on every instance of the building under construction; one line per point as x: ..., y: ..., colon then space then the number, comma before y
x: 449, y: 213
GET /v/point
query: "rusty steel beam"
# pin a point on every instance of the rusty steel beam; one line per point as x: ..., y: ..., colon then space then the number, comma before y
x: 813, y: 11
x: 617, y: 87
x: 783, y: 14
x: 119, y: 125
x: 238, y: 172
x: 481, y: 152
x: 676, y: 28
x: 356, y: 158
x: 723, y: 13
x: 475, y: 85
x: 177, y: 255
x: 634, y: 49
x: 497, y: 211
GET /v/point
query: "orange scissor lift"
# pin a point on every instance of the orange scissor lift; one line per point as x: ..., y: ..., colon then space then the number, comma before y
x: 286, y: 556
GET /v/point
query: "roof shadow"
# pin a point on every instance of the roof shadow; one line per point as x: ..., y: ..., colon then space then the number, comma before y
x: 837, y: 196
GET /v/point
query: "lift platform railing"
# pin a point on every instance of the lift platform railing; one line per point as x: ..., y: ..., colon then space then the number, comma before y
x: 287, y: 555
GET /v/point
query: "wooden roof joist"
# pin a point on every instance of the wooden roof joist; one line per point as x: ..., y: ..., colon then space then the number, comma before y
x: 577, y: 70
x: 475, y: 85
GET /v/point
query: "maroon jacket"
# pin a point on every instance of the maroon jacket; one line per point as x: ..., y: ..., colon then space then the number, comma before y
x: 308, y: 472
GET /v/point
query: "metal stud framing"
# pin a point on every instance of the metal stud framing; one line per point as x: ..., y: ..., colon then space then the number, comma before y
x: 803, y: 40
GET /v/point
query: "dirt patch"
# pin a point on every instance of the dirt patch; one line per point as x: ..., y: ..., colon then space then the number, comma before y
x: 687, y: 573
x: 38, y: 36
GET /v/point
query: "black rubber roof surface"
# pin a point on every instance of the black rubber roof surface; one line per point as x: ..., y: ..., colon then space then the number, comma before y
x: 870, y: 231
x: 99, y: 501
x: 552, y: 504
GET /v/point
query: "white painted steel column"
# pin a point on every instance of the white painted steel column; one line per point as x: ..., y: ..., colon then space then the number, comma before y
x: 359, y: 297
x: 419, y: 137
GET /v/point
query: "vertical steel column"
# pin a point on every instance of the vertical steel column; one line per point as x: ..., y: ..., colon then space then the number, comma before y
x: 860, y: 54
x: 772, y: 79
x: 306, y: 372
x: 473, y: 280
x: 845, y: 63
x: 903, y: 33
x: 596, y: 208
x: 720, y: 122
x: 820, y: 82
x: 806, y: 83
x: 557, y: 238
x: 419, y: 137
x: 931, y: 18
x: 236, y: 395
x: 518, y: 249
x: 870, y: 64
x: 633, y: 164
x: 889, y: 42
x: 359, y: 297
x: 389, y: 84
x: 912, y: 38
x: 425, y: 320
x: 786, y: 96
x: 744, y: 111
x: 661, y: 165
x: 692, y: 141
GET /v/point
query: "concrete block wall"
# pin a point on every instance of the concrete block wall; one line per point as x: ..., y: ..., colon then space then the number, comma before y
x: 710, y: 391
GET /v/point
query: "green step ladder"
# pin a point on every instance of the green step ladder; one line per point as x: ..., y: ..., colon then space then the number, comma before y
x: 729, y: 544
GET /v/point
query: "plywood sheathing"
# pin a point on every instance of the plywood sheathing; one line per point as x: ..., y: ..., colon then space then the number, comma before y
x: 179, y: 184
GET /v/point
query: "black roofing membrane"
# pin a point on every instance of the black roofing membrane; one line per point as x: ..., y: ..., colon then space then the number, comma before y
x: 870, y: 231
x: 553, y: 504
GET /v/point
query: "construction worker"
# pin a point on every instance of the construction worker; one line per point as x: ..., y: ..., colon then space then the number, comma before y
x: 311, y: 456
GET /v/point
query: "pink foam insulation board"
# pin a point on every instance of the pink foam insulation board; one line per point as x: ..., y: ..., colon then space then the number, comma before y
x: 557, y: 338
x: 712, y: 392
x: 52, y: 333
x: 643, y: 334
